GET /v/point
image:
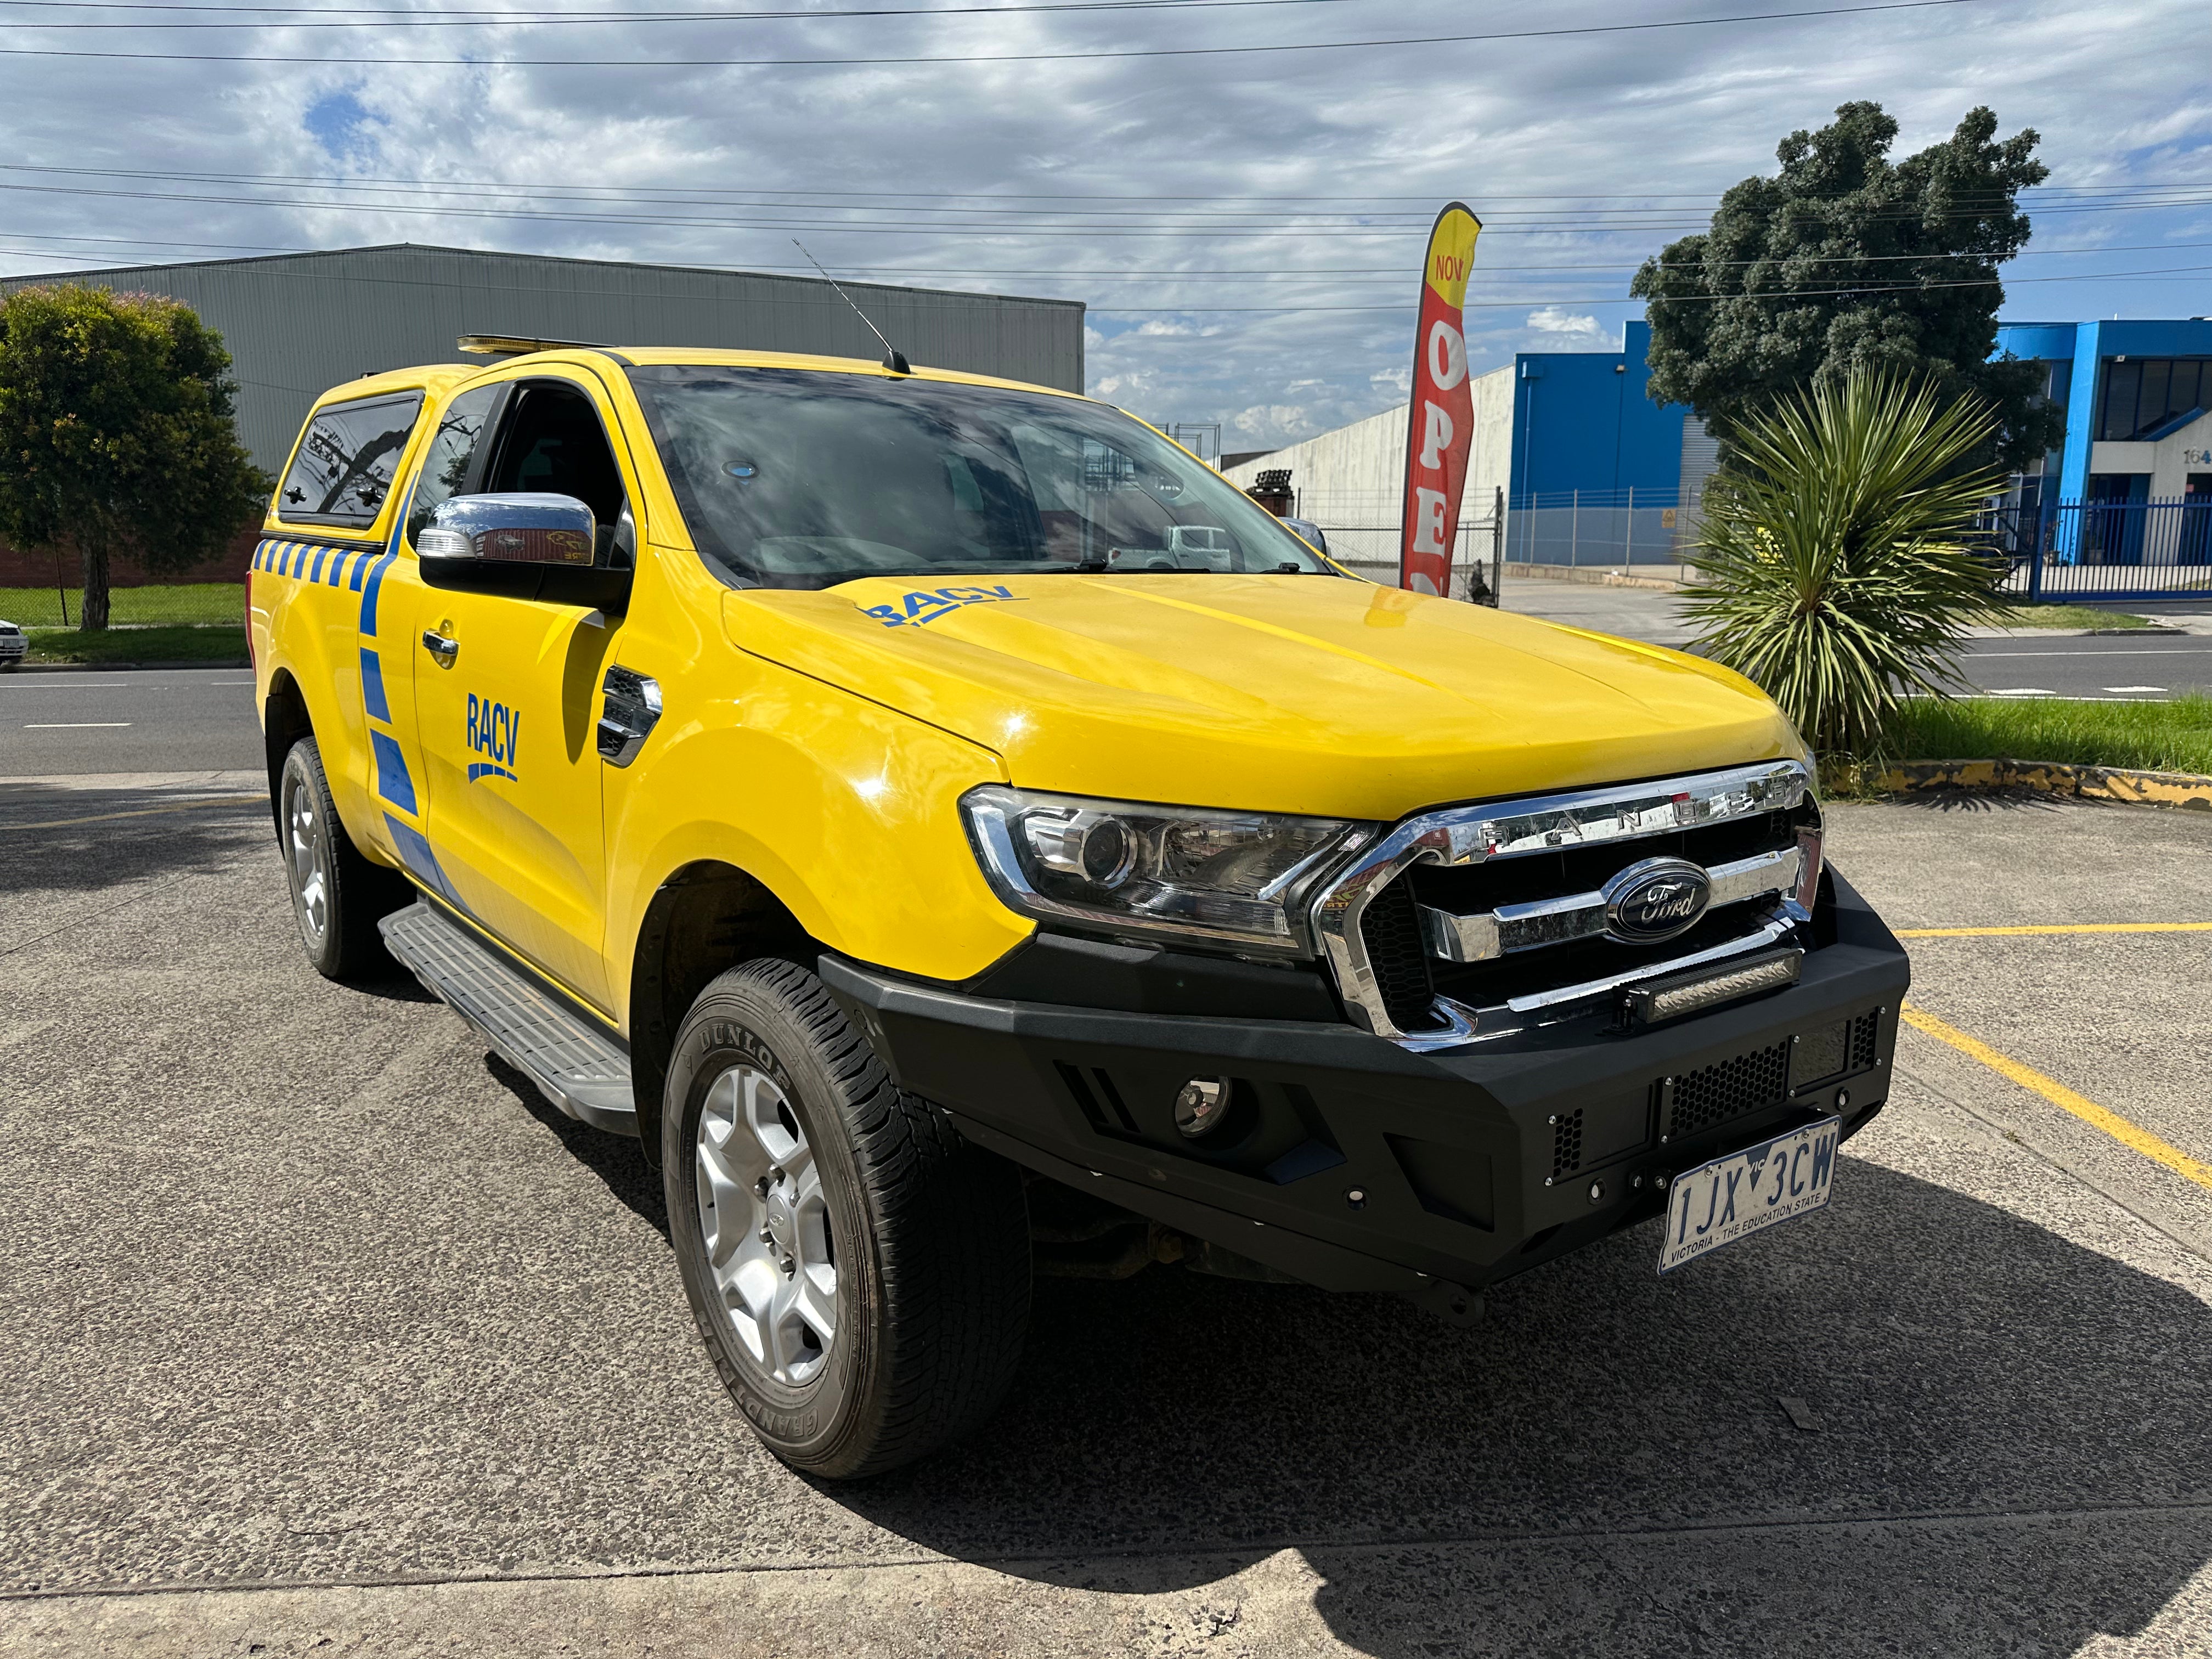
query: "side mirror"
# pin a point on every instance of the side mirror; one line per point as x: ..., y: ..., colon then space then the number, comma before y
x: 526, y: 546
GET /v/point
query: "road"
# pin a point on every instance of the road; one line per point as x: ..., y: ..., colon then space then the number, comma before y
x: 326, y: 1335
x: 190, y: 720
x: 2146, y: 665
x: 2152, y: 666
x: 52, y: 725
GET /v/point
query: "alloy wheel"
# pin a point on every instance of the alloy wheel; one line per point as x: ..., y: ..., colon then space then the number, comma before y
x: 306, y: 846
x: 766, y: 1226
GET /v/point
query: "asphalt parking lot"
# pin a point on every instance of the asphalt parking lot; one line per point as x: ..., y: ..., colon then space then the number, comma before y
x: 324, y: 1334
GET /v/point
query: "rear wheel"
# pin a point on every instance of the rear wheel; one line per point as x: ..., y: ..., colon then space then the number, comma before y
x: 859, y: 1272
x: 338, y: 896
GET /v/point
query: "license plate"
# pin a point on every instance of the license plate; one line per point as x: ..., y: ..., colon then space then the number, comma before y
x: 1735, y: 1196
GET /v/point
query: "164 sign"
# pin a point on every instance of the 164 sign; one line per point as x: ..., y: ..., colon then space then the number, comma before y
x: 1441, y: 423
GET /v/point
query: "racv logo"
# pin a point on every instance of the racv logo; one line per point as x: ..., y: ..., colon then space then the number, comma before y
x: 917, y: 609
x: 493, y: 730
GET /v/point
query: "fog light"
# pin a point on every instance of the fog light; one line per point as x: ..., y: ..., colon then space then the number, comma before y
x: 1202, y: 1104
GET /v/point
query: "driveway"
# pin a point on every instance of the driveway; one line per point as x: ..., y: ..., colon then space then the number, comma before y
x: 326, y: 1335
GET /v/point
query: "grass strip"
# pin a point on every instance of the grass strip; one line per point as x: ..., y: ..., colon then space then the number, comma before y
x: 213, y: 643
x: 2151, y: 736
x: 183, y: 604
x: 2065, y: 616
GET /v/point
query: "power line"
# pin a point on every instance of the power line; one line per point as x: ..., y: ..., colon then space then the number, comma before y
x: 493, y: 20
x: 1160, y: 227
x: 355, y: 62
x: 676, y: 196
x: 1334, y: 275
x: 2173, y: 272
x: 901, y: 196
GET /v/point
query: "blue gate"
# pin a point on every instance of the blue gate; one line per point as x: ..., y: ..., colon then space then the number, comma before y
x: 2106, y: 549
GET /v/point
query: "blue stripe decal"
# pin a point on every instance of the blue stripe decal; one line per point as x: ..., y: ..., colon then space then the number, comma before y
x: 422, y: 863
x: 392, y: 779
x: 372, y: 688
x: 316, y: 574
x: 486, y: 770
x: 368, y: 593
x: 260, y: 552
x: 361, y: 568
x: 294, y: 552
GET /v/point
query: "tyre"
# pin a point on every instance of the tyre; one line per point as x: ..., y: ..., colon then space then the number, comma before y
x: 860, y: 1274
x: 338, y: 896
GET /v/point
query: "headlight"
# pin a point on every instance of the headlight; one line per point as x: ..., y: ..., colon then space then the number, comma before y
x: 1239, y: 880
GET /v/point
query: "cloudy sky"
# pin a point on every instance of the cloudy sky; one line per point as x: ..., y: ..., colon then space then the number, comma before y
x: 1245, y: 225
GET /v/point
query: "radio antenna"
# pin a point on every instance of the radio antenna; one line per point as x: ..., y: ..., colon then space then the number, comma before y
x: 894, y: 359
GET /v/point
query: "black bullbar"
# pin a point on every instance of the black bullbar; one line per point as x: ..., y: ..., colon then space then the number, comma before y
x: 1353, y: 1164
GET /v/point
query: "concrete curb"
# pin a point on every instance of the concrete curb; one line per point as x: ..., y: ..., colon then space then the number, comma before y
x: 1590, y: 576
x: 2113, y: 783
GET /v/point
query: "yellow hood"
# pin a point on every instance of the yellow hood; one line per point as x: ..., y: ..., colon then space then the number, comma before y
x: 1290, y: 694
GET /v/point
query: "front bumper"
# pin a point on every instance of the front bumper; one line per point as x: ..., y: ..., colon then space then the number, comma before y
x: 1356, y: 1165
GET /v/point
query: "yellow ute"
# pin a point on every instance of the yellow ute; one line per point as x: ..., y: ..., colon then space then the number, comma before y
x: 963, y: 836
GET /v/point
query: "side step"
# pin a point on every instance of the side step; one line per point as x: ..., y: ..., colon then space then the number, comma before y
x: 582, y: 1070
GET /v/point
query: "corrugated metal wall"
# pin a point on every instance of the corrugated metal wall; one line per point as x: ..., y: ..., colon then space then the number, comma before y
x: 298, y: 323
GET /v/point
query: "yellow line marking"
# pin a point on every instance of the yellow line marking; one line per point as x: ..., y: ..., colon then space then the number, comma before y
x: 2068, y: 927
x: 2096, y: 1117
x: 149, y: 812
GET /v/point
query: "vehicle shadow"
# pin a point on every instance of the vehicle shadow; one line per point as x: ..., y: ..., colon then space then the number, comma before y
x: 62, y: 841
x: 616, y: 1160
x: 2010, y: 1455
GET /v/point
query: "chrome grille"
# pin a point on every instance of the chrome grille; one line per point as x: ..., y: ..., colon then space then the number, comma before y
x: 1506, y: 904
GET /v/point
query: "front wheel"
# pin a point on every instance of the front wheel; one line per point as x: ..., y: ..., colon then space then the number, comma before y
x: 859, y: 1273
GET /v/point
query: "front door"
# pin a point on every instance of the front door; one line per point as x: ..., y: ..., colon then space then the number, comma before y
x: 505, y: 696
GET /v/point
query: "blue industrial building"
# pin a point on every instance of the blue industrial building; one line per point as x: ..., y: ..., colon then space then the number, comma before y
x: 2123, y: 504
x: 1593, y: 472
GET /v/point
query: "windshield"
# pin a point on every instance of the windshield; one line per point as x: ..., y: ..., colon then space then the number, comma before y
x: 793, y: 478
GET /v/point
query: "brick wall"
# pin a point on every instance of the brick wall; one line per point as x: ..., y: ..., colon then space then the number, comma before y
x: 20, y: 569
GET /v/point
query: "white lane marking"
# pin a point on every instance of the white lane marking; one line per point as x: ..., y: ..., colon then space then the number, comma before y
x: 2110, y: 651
x: 72, y: 725
x: 2123, y: 690
x: 42, y: 683
x: 2022, y: 691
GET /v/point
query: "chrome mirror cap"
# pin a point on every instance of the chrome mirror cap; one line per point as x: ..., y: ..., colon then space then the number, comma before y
x: 524, y: 527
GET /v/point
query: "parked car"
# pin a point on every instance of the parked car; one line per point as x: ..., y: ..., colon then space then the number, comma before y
x: 784, y: 761
x: 14, y: 645
x: 1309, y: 533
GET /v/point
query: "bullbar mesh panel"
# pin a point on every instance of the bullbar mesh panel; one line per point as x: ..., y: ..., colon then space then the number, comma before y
x: 1567, y: 1143
x: 1714, y: 1094
x: 1866, y: 1029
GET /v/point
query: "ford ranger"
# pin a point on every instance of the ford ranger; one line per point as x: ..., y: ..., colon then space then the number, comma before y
x: 959, y: 834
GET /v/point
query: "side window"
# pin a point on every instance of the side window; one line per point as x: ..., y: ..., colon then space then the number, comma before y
x: 445, y: 457
x: 347, y: 456
x: 552, y: 440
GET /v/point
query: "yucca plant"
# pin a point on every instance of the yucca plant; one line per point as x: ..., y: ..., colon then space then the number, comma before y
x: 1841, y: 572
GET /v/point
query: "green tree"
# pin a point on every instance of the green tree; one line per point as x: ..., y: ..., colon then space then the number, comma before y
x: 1840, y: 568
x: 116, y: 433
x: 1847, y: 262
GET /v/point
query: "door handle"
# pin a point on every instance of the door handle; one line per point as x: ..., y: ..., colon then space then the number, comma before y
x: 443, y: 649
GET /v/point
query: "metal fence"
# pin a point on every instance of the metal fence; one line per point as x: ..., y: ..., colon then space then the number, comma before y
x: 2105, y: 549
x: 1371, y: 551
x: 1603, y: 529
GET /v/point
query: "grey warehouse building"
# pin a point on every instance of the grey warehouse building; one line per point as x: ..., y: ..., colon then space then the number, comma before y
x: 299, y: 324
